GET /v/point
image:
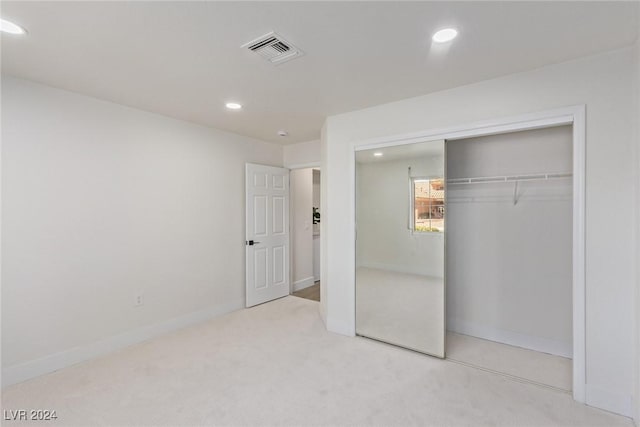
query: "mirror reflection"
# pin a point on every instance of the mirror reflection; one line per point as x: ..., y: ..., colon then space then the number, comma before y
x: 400, y: 222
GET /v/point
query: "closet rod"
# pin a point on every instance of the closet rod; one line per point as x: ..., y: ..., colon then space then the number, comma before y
x: 509, y: 178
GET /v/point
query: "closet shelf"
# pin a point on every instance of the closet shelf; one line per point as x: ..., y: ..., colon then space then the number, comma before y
x: 509, y: 178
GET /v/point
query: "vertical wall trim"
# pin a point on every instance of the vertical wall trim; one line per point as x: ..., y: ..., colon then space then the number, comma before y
x: 351, y: 326
x: 636, y: 159
x: 324, y: 206
x: 579, y: 255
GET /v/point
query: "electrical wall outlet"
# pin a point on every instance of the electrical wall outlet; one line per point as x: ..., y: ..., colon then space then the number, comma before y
x: 139, y: 300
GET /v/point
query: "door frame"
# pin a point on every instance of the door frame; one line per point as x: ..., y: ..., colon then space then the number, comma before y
x: 314, y: 165
x: 572, y: 115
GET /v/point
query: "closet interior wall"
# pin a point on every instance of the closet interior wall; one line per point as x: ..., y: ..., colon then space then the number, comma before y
x: 509, y: 246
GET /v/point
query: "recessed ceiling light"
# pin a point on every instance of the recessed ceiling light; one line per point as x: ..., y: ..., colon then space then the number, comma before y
x: 445, y: 35
x: 233, y: 106
x: 283, y: 133
x: 10, y: 27
x: 377, y: 154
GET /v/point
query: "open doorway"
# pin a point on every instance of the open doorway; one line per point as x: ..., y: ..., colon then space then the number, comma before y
x: 305, y: 233
x: 509, y: 254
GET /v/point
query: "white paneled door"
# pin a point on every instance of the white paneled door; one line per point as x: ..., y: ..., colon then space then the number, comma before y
x: 267, y: 233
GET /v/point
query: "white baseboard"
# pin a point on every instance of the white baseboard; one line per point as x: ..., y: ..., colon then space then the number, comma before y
x: 304, y: 283
x: 34, y: 368
x: 408, y: 269
x: 609, y: 401
x: 544, y: 345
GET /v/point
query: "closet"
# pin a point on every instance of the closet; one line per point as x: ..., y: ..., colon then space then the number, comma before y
x: 509, y: 254
x: 464, y: 251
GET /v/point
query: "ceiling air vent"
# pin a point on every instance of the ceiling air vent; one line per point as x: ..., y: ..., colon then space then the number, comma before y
x: 273, y: 48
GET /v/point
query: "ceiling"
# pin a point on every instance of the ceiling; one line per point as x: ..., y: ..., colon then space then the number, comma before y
x: 183, y: 59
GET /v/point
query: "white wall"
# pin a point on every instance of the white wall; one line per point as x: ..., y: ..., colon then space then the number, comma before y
x: 101, y: 202
x: 316, y: 227
x: 603, y: 83
x: 301, y: 184
x: 316, y: 188
x: 637, y: 205
x: 302, y: 154
x: 509, y: 267
x: 316, y: 256
x: 384, y: 239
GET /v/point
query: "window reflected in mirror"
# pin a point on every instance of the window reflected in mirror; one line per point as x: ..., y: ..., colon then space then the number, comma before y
x: 428, y: 205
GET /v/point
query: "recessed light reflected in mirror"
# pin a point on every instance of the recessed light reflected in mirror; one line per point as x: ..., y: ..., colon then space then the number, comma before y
x: 377, y: 154
x: 441, y: 42
x: 11, y: 28
x: 445, y: 35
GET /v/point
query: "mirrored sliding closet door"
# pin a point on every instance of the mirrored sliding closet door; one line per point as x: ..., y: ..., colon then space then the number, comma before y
x: 400, y: 252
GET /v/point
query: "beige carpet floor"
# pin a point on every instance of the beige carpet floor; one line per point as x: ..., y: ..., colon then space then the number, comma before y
x: 275, y: 364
